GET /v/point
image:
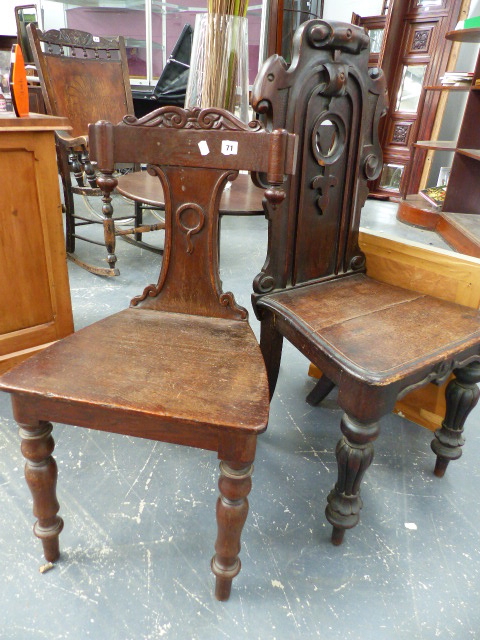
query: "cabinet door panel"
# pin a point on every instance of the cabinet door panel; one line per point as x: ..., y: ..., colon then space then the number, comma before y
x: 22, y: 248
x: 35, y: 307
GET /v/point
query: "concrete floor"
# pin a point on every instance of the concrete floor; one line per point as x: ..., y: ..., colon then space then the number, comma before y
x: 140, y: 524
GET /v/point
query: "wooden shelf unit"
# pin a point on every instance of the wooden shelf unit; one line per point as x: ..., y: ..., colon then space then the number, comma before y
x: 437, y: 145
x: 463, y: 191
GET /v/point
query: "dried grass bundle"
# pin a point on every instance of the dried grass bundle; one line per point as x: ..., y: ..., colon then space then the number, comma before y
x: 221, y: 52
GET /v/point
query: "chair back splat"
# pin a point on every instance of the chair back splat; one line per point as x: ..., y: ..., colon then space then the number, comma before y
x: 372, y: 340
x: 206, y: 151
x: 329, y: 100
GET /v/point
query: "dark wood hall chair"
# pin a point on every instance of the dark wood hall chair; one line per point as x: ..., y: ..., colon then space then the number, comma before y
x: 374, y: 341
x: 85, y: 78
x: 184, y: 322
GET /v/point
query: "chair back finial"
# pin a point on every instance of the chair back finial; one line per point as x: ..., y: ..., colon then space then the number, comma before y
x: 331, y: 100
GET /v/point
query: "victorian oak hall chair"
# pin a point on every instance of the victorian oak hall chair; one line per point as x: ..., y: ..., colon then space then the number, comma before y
x: 374, y: 341
x: 184, y: 318
x: 85, y: 78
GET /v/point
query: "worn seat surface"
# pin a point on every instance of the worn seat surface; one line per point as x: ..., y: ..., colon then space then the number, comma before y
x: 158, y: 383
x: 377, y: 313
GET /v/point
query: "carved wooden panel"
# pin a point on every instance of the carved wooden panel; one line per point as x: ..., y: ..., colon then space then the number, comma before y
x: 400, y: 133
x: 420, y: 38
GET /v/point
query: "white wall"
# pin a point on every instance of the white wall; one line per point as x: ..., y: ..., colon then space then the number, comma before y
x: 342, y: 9
x: 8, y: 26
x: 53, y: 12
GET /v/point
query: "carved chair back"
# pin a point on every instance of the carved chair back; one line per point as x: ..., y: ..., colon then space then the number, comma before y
x: 194, y: 154
x: 331, y: 100
x: 83, y: 77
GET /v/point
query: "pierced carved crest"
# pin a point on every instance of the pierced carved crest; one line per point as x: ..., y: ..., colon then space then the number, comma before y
x: 203, y: 119
x: 77, y: 39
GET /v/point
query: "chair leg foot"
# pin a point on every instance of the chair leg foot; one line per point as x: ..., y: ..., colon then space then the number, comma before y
x: 41, y: 476
x: 232, y: 508
x: 462, y: 394
x: 440, y: 467
x: 337, y: 536
x: 354, y: 455
x: 223, y: 587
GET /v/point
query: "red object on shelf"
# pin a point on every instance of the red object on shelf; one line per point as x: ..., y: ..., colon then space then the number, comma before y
x: 18, y: 82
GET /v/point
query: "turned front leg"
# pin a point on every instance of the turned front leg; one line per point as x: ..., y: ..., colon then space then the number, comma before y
x: 232, y: 507
x: 354, y: 455
x: 461, y: 396
x: 41, y: 476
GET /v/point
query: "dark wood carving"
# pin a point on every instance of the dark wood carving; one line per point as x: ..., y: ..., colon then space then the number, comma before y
x: 375, y: 342
x: 196, y: 118
x: 192, y: 226
x: 462, y: 394
x: 300, y: 99
x: 75, y: 39
x: 421, y: 39
x: 400, y: 133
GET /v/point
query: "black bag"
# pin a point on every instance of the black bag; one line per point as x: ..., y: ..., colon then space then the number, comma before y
x: 172, y: 84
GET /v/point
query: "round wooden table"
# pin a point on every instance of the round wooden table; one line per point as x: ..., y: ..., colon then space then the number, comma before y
x: 243, y: 198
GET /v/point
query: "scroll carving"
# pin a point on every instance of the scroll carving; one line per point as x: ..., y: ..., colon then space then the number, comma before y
x: 227, y: 299
x: 323, y: 35
x: 441, y: 372
x: 203, y: 119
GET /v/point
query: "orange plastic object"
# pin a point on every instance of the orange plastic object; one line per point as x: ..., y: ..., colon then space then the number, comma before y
x: 18, y: 81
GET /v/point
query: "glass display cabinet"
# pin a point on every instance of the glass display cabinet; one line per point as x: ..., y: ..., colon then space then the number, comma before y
x: 151, y: 28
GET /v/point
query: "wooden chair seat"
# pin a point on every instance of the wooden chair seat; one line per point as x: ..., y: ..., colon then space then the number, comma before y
x: 323, y: 317
x: 377, y: 312
x: 183, y: 370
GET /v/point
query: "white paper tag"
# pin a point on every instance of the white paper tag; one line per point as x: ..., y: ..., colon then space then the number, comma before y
x: 203, y: 146
x: 96, y: 39
x: 229, y: 147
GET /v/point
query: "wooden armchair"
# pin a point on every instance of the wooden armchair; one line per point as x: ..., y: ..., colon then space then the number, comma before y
x: 183, y: 323
x: 374, y: 341
x: 85, y: 78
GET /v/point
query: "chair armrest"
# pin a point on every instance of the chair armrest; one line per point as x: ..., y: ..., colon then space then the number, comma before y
x: 68, y: 141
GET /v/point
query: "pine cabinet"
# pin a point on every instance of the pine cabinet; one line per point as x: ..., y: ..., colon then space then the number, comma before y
x: 35, y: 306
